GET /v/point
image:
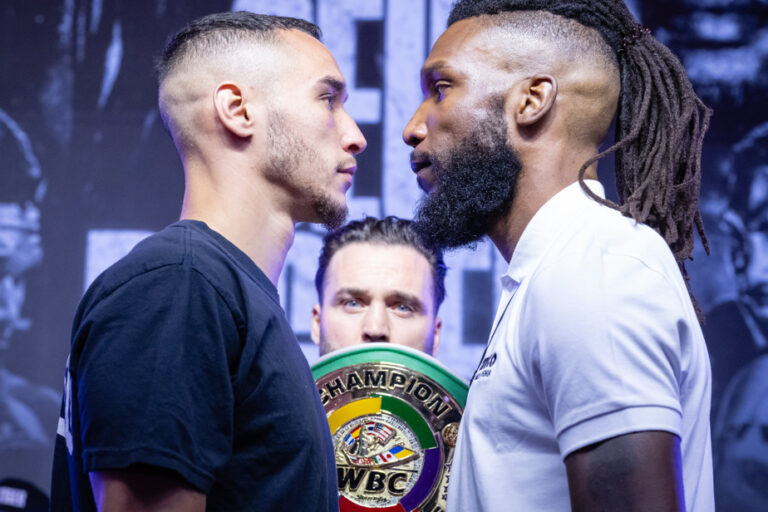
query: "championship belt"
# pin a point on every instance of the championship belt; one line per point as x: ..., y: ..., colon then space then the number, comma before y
x: 394, y: 415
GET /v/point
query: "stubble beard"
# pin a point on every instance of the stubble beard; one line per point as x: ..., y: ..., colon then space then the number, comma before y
x: 475, y: 186
x: 288, y: 155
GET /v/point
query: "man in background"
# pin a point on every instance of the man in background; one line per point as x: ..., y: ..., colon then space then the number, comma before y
x: 27, y: 409
x: 378, y: 281
x: 737, y: 330
x: 737, y: 334
x: 185, y: 387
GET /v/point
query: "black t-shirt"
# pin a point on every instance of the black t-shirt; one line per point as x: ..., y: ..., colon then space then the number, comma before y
x: 182, y: 358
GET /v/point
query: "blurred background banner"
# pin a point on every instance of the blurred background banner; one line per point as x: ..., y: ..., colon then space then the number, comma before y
x: 86, y: 171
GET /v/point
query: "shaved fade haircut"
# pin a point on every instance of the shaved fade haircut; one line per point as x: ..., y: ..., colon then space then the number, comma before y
x: 216, y: 33
x: 569, y: 36
x: 202, y: 44
x: 660, y: 121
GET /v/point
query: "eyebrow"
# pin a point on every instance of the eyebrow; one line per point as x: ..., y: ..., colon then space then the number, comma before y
x: 334, y: 83
x: 407, y: 298
x: 428, y: 72
x: 355, y: 292
x: 437, y: 67
x: 390, y: 295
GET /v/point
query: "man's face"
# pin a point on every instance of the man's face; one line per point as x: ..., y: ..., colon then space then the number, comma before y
x: 753, y: 252
x: 461, y: 156
x: 377, y: 292
x: 755, y: 292
x: 311, y: 139
x: 19, y: 250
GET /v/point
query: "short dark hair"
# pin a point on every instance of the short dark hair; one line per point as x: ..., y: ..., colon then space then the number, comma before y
x: 223, y: 29
x: 387, y: 231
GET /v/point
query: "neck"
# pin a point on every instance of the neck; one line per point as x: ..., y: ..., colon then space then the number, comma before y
x: 539, y: 181
x: 243, y: 212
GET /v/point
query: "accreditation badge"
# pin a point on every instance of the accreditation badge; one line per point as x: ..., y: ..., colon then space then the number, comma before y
x: 394, y: 416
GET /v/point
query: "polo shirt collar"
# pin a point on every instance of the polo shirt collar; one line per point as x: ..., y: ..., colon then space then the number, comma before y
x: 553, y: 220
x: 548, y: 225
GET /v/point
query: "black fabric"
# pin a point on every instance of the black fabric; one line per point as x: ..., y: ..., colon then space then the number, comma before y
x: 182, y: 358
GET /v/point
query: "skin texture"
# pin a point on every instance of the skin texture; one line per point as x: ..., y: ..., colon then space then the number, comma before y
x: 558, y: 107
x: 629, y: 472
x: 237, y: 166
x: 542, y: 92
x: 144, y: 490
x: 377, y: 293
x: 264, y: 139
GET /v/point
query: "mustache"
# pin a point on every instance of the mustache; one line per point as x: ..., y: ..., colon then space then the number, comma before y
x: 347, y: 164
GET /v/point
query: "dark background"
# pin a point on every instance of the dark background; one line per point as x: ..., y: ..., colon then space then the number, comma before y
x: 76, y: 81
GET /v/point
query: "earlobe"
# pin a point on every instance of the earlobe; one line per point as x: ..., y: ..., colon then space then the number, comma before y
x: 538, y: 98
x: 232, y: 109
x: 314, y: 331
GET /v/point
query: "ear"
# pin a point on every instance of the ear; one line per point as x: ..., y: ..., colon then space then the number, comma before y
x: 537, y: 99
x: 314, y: 331
x: 436, y: 336
x: 232, y: 109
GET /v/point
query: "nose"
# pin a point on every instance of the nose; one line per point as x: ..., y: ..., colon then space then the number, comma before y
x: 376, y: 324
x: 416, y: 129
x: 352, y: 139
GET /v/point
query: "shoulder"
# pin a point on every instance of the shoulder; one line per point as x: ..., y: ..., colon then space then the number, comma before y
x: 609, y: 271
x: 180, y: 250
x: 606, y: 242
x: 164, y: 266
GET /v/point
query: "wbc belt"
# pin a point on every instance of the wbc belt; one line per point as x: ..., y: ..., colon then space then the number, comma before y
x: 394, y: 414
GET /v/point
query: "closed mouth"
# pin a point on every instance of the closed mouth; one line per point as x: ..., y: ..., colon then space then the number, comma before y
x: 417, y: 165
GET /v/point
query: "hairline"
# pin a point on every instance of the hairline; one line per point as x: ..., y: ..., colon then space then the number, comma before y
x: 383, y: 243
x: 378, y: 231
x: 273, y: 38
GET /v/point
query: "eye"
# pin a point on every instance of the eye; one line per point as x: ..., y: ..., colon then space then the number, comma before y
x: 404, y: 308
x: 351, y: 304
x: 330, y: 100
x: 440, y: 89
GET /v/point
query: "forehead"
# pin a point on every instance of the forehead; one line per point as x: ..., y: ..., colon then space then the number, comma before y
x: 303, y: 55
x: 379, y: 267
x: 475, y: 50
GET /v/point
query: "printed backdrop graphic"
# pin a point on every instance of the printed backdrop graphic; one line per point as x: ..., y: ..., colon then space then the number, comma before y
x: 86, y: 171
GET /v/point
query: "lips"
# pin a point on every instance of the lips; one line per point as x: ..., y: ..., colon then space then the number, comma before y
x: 421, y: 165
x: 419, y: 162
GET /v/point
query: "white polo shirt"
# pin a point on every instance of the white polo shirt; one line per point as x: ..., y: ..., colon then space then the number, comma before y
x: 595, y: 337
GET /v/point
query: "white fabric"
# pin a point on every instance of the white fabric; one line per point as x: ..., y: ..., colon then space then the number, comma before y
x: 595, y: 337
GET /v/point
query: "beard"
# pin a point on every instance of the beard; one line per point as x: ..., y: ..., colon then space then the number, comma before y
x: 475, y: 186
x: 289, y: 155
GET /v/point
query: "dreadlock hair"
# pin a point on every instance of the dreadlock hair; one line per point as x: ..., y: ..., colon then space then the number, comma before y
x: 660, y: 121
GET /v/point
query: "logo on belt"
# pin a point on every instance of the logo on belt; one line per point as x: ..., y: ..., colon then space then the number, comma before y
x: 393, y: 414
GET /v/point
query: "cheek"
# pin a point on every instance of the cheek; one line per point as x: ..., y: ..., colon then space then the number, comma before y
x: 340, y: 328
x: 411, y: 331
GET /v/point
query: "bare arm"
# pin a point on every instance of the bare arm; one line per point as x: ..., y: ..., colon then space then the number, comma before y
x: 144, y: 489
x: 634, y: 472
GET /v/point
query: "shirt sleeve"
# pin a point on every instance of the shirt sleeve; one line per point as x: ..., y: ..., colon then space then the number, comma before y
x: 153, y: 381
x: 606, y: 349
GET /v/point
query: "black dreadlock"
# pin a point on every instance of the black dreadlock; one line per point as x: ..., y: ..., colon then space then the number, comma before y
x: 660, y: 122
